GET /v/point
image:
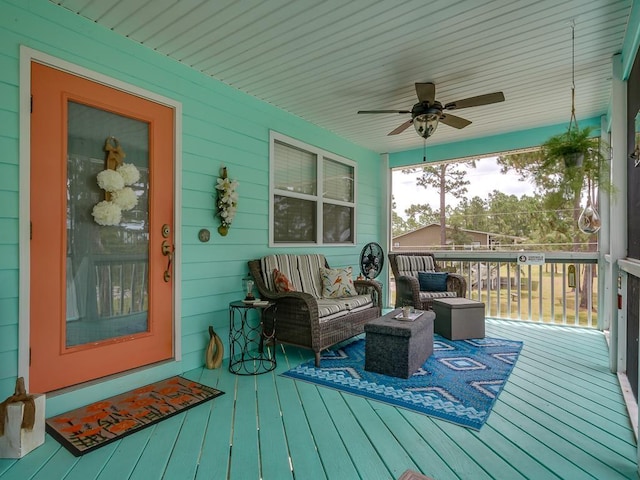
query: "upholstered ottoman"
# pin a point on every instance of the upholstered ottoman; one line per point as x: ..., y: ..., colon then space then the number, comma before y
x: 398, y: 347
x: 459, y: 318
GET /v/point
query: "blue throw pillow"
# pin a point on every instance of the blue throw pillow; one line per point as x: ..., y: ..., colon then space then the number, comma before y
x: 433, y: 281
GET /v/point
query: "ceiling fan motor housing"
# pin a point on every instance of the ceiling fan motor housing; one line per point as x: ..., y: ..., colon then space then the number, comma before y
x: 425, y: 117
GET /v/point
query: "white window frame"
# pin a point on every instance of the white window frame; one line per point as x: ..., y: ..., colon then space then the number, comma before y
x: 318, y: 198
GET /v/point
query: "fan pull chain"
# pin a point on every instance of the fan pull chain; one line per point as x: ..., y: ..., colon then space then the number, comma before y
x: 424, y: 149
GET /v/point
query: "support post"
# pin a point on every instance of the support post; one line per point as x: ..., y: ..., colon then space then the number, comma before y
x: 618, y: 210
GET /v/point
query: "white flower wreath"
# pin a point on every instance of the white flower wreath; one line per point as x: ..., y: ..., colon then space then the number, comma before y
x: 106, y: 213
x: 227, y: 201
x: 109, y: 212
x: 110, y: 180
x: 126, y: 198
x: 129, y: 173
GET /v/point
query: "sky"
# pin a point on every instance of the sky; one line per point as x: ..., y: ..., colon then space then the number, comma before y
x: 485, y: 178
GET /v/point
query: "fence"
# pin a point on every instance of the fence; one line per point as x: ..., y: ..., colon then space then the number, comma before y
x: 548, y: 293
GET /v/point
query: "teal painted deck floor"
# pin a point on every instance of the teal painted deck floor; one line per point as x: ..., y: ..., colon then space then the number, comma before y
x: 561, y: 416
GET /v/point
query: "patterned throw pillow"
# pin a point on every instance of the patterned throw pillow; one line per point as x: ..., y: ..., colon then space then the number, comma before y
x: 337, y: 282
x: 433, y: 281
x: 281, y: 282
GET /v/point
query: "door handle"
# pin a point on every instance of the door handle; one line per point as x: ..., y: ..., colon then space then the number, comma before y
x: 167, y: 251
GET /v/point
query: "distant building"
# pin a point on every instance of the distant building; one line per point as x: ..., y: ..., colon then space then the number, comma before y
x: 429, y: 236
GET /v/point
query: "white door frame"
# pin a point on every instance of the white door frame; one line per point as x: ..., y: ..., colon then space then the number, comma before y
x: 27, y: 55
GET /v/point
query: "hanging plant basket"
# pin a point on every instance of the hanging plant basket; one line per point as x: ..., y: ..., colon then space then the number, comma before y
x: 576, y: 155
x: 570, y: 147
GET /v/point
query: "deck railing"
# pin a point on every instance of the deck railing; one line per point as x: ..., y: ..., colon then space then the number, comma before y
x: 562, y: 290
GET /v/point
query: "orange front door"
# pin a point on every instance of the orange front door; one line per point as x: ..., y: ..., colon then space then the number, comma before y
x: 101, y: 288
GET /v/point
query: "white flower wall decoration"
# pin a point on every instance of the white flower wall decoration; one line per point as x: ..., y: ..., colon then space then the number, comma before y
x: 226, y: 202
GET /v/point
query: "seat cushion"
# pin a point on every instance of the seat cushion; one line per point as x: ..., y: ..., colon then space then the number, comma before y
x: 410, y: 265
x: 329, y: 308
x: 427, y: 296
x: 287, y: 264
x: 309, y: 271
x: 358, y: 302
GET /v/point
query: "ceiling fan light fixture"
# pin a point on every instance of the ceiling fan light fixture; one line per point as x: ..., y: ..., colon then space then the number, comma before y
x: 426, y: 124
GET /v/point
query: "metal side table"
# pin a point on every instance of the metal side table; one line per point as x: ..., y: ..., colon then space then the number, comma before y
x: 249, y: 352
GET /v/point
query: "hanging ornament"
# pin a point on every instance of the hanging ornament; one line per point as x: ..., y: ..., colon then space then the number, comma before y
x: 589, y: 220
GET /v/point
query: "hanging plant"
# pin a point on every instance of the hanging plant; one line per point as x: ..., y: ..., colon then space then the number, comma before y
x: 575, y: 156
x: 572, y: 160
x: 570, y: 147
x: 226, y: 201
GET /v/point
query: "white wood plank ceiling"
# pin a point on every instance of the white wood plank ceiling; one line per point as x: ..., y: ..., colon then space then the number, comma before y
x: 325, y: 60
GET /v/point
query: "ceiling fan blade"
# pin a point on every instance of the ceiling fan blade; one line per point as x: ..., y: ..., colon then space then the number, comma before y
x: 384, y: 111
x: 401, y: 128
x: 426, y: 92
x: 453, y: 121
x: 495, y: 97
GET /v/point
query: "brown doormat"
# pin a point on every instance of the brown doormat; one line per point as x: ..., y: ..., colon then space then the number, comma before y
x: 87, y: 428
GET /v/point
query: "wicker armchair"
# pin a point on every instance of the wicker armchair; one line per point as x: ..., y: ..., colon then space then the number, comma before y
x: 405, y: 267
x: 304, y: 318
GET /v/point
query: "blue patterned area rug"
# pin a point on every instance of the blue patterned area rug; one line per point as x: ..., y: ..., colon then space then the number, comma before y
x: 459, y: 383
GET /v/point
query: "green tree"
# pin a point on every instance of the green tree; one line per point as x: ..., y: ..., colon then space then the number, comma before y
x: 447, y: 178
x: 460, y: 237
x: 561, y: 194
x: 420, y: 215
x: 398, y: 225
x: 562, y: 187
x: 470, y: 214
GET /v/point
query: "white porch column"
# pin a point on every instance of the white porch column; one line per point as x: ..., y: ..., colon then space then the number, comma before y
x: 385, y: 228
x: 618, y: 210
x: 605, y: 284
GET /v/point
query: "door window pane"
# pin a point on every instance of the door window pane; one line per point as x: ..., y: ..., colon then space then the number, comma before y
x: 107, y: 266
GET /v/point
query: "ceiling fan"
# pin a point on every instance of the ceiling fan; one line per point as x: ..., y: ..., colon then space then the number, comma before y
x: 426, y: 114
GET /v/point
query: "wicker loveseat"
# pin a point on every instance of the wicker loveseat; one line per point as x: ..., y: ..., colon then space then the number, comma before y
x: 406, y: 267
x: 303, y: 317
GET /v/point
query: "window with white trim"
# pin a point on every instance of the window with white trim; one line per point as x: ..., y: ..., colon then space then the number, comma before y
x: 312, y: 195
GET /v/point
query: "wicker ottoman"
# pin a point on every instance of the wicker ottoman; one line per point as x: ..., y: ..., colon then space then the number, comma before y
x: 396, y: 347
x: 459, y: 318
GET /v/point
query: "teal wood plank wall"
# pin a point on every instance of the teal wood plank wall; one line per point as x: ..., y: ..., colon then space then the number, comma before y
x: 221, y: 126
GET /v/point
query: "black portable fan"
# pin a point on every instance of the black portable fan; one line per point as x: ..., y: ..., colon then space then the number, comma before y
x: 371, y: 260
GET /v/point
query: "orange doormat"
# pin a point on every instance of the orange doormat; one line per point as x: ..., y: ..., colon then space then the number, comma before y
x: 90, y: 427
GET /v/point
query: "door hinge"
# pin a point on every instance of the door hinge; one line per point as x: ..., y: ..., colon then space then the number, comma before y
x: 29, y: 356
x: 31, y: 104
x: 30, y: 230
